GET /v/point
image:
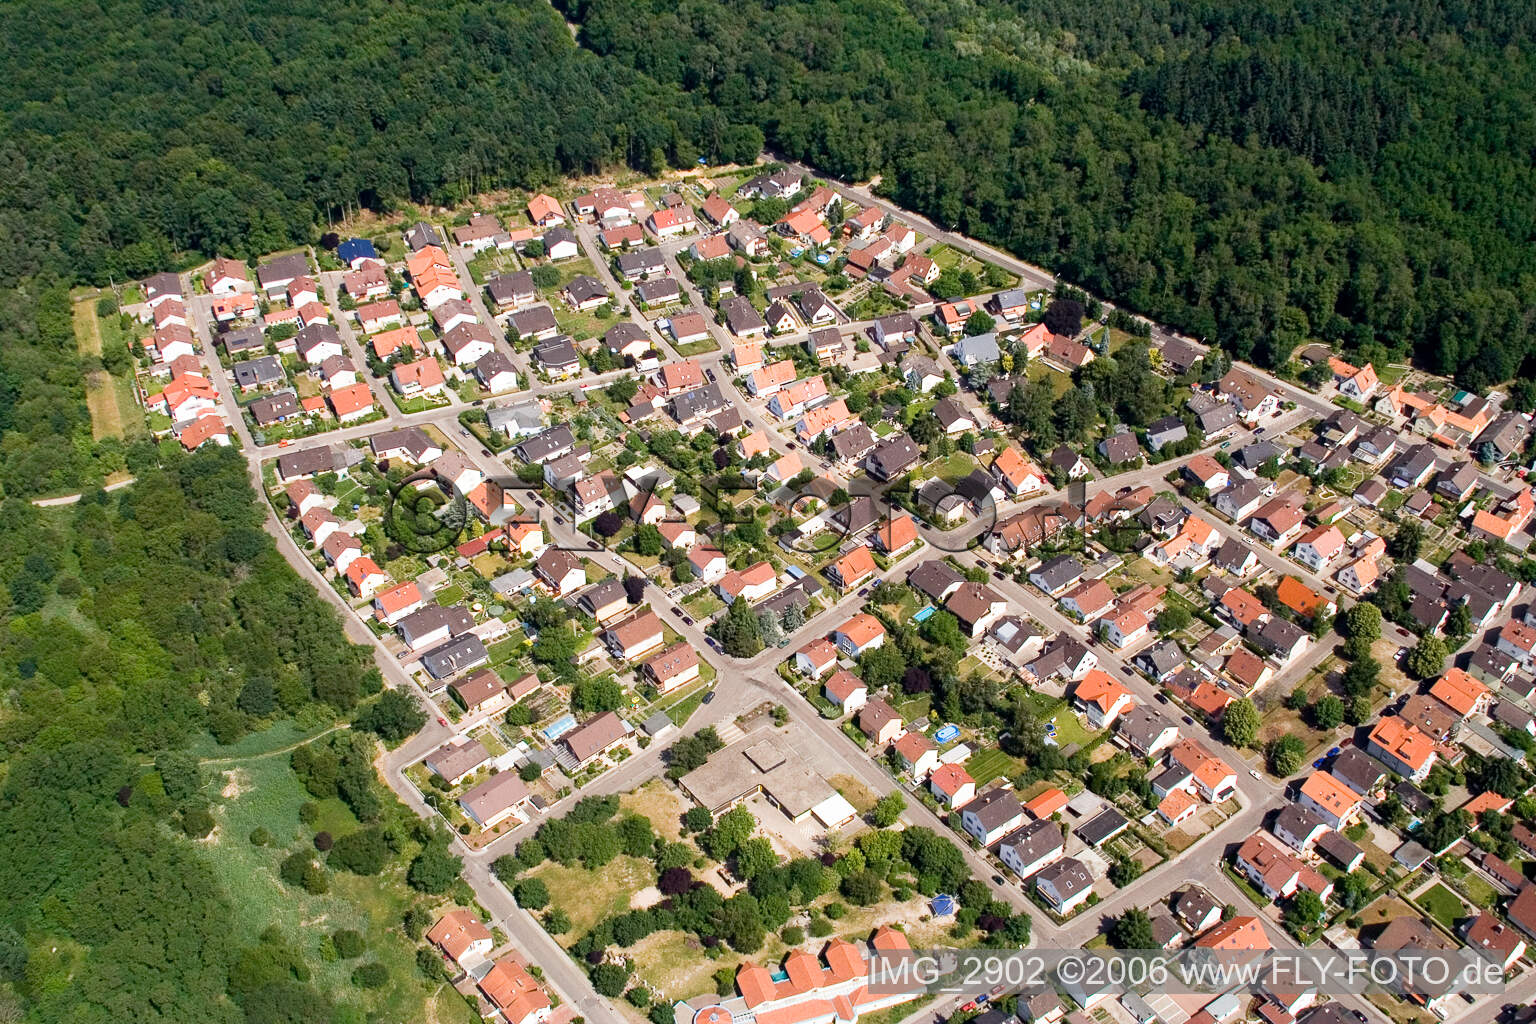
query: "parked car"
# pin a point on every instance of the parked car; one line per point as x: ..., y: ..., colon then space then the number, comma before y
x: 709, y: 696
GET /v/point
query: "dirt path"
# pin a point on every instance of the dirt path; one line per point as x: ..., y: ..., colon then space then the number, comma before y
x: 273, y: 753
x: 100, y: 394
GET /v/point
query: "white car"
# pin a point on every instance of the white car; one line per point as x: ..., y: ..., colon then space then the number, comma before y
x: 1255, y: 774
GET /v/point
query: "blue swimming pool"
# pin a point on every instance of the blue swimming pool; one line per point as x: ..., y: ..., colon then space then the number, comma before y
x: 554, y: 730
x: 922, y: 614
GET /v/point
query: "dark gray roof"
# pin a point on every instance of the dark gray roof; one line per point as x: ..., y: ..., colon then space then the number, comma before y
x: 1193, y: 905
x: 1120, y: 448
x: 413, y: 439
x: 1216, y: 418
x: 243, y: 339
x: 547, y: 444
x: 422, y: 235
x: 1108, y: 822
x: 659, y: 289
x: 623, y: 334
x: 536, y: 320
x: 854, y: 443
x: 282, y: 268
x: 1141, y: 726
x: 1511, y: 715
x: 1068, y: 876
x: 740, y: 315
x: 557, y: 352
x: 1161, y: 657
x: 584, y: 288
x: 455, y: 656
x: 700, y: 402
x: 641, y: 261
x: 1034, y: 840
x: 259, y: 372
x: 933, y: 579
x: 1297, y: 820
x: 1061, y: 571
x: 508, y: 288
x: 895, y: 455
x: 308, y: 339
x: 1279, y: 634
x: 994, y: 808
x: 430, y: 618
x: 321, y: 459
x: 555, y: 235
x: 274, y: 407
x: 492, y: 364
x: 1357, y: 769
x: 1337, y: 848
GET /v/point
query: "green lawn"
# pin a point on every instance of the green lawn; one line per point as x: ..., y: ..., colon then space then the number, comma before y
x: 451, y: 594
x: 1069, y: 730
x: 684, y: 709
x: 1479, y: 892
x: 990, y: 764
x: 1442, y: 905
x: 697, y: 348
x: 1037, y: 370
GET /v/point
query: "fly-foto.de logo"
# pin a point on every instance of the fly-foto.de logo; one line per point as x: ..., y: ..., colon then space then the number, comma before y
x: 424, y: 515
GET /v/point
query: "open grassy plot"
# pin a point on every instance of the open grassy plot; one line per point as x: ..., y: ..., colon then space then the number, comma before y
x: 590, y: 896
x: 990, y: 764
x: 105, y: 394
x: 1060, y: 382
x: 661, y: 804
x: 674, y: 963
x: 697, y: 348
x: 264, y: 793
x: 1442, y: 905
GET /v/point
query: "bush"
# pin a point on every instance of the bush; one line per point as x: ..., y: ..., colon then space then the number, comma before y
x: 197, y: 822
x: 609, y: 979
x: 348, y: 943
x: 532, y: 894
x: 430, y: 964
x: 638, y: 996
x: 323, y: 841
x: 557, y: 922
x: 261, y: 837
x: 793, y: 935
x: 364, y: 852
x: 374, y: 975
x: 309, y: 812
x: 821, y: 928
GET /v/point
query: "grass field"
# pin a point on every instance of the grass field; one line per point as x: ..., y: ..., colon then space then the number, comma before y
x: 109, y: 398
x: 674, y: 964
x: 1069, y: 730
x: 263, y: 792
x: 697, y: 348
x: 990, y: 764
x: 590, y: 896
x: 661, y: 804
x: 1442, y: 904
x: 1479, y: 891
x: 1060, y: 382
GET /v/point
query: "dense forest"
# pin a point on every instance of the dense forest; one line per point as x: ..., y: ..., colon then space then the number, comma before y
x: 1256, y: 174
x: 1253, y: 173
x: 136, y: 624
